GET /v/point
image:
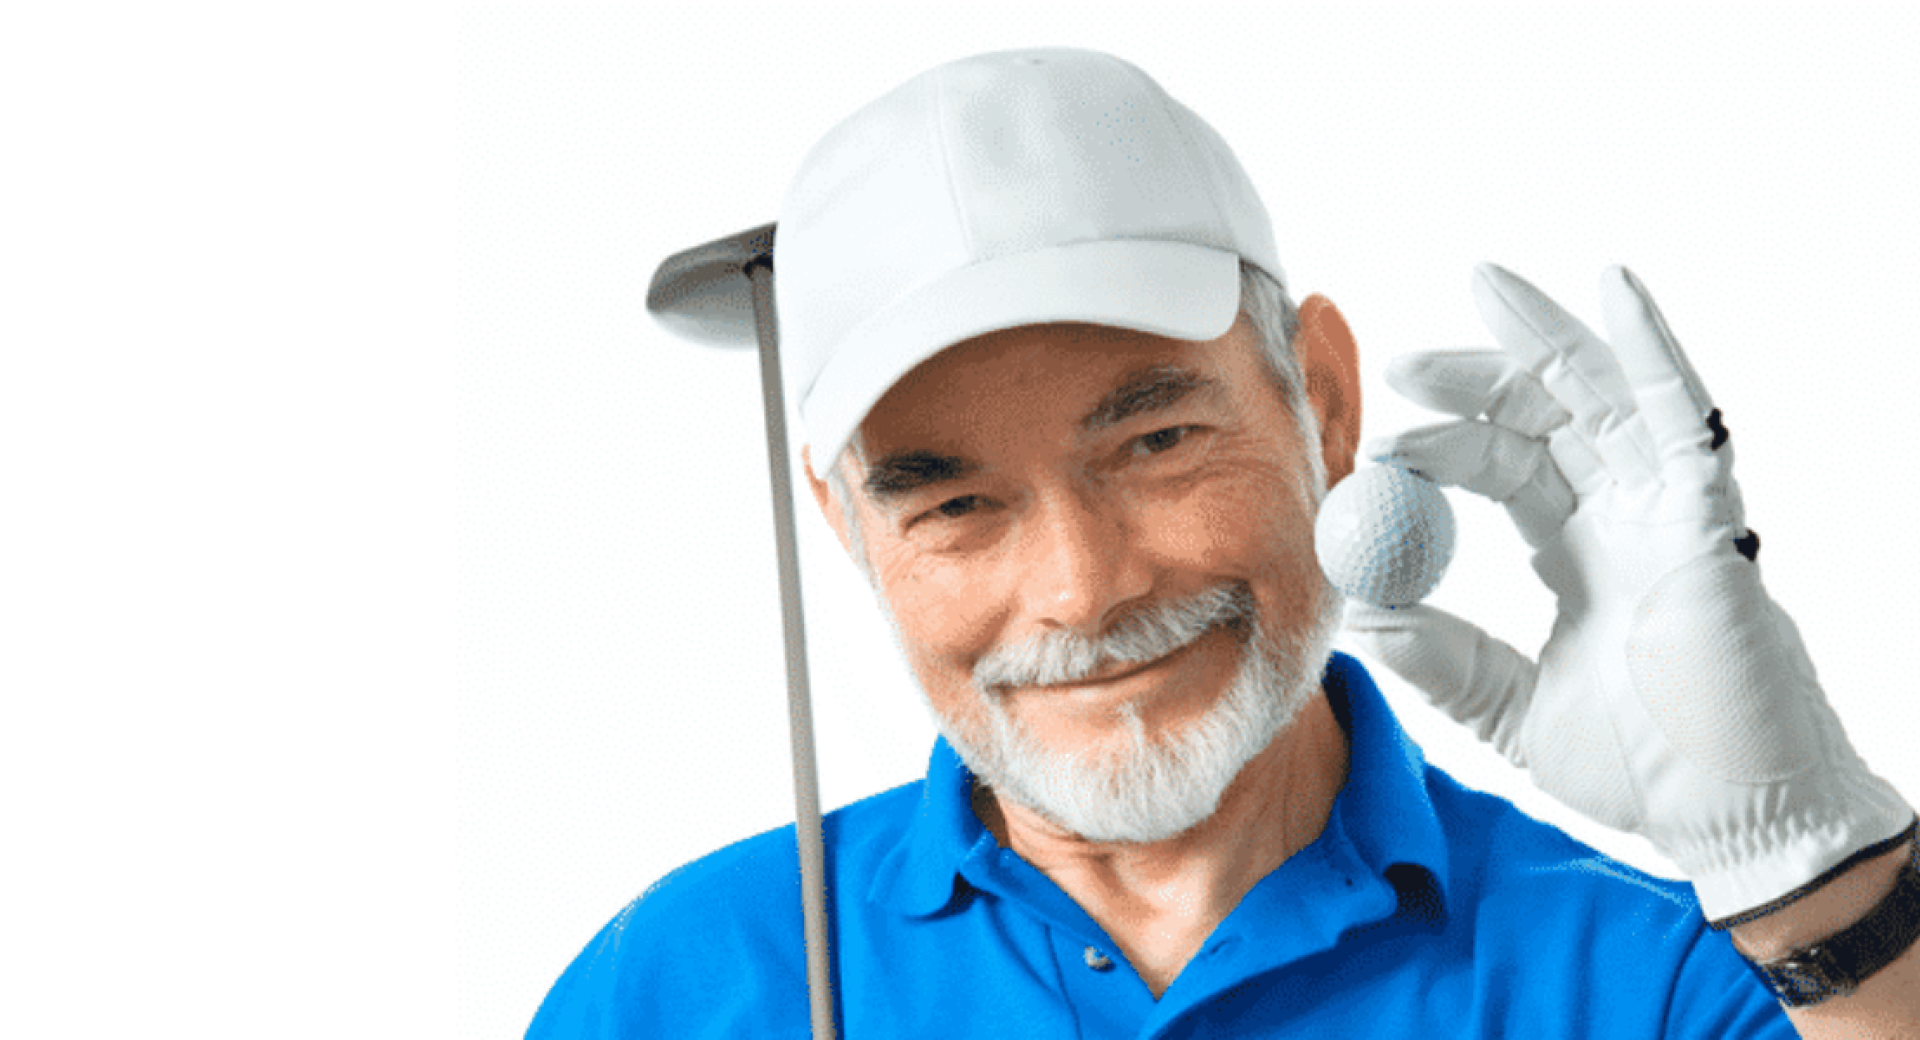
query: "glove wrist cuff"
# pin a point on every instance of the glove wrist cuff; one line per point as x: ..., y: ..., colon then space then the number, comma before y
x: 1764, y: 866
x: 1865, y: 853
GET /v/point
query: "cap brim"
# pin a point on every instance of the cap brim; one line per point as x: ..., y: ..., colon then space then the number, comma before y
x: 1174, y: 289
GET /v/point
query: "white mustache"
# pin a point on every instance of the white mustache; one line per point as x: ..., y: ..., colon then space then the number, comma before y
x: 1148, y: 635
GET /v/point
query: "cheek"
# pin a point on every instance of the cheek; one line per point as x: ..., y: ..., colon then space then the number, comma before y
x: 1257, y: 527
x: 1242, y: 521
x: 947, y: 617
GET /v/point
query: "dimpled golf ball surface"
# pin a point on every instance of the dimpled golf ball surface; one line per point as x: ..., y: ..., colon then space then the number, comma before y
x: 1384, y: 536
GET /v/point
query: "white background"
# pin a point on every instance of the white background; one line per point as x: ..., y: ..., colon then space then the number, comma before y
x: 388, y: 600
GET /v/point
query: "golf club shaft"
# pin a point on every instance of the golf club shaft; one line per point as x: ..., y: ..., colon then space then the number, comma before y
x: 806, y: 781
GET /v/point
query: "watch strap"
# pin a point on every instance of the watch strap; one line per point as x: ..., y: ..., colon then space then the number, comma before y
x: 1836, y: 966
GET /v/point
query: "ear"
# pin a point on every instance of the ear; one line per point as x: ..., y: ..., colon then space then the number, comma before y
x: 823, y: 496
x: 1331, y: 361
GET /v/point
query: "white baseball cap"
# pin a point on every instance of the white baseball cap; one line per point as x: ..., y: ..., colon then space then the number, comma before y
x: 1006, y: 189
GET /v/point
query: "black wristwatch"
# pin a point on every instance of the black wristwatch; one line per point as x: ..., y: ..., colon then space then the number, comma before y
x: 1836, y: 966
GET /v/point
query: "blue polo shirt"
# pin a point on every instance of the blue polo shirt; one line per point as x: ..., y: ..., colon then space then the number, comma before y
x: 1424, y: 910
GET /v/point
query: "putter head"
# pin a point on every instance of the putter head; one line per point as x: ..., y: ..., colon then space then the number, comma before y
x: 704, y: 294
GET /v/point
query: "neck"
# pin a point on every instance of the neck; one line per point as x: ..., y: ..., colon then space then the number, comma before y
x: 1160, y: 900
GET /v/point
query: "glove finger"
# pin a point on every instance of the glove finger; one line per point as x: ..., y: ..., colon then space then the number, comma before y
x: 1473, y: 678
x: 1538, y: 492
x: 1467, y: 453
x: 1457, y: 382
x: 1469, y: 383
x: 1586, y: 472
x: 1488, y: 460
x: 1575, y: 366
x: 1673, y: 401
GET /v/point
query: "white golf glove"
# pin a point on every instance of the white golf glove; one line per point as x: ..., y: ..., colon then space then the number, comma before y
x: 1674, y: 699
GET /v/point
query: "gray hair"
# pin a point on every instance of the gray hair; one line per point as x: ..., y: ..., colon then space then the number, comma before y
x: 1275, y: 322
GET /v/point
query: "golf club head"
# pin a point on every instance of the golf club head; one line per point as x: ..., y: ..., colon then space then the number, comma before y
x: 704, y: 293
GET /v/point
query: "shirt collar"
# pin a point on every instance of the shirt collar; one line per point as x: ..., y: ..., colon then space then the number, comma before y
x: 922, y: 873
x: 1383, y: 810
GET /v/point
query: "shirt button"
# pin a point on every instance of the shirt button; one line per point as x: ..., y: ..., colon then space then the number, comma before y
x: 1097, y: 961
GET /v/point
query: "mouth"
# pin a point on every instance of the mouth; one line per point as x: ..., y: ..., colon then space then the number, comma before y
x: 1127, y: 671
x: 1119, y: 676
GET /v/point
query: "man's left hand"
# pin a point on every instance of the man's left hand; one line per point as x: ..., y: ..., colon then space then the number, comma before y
x: 1674, y: 698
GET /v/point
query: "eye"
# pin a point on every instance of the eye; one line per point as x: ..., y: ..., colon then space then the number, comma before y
x: 954, y: 508
x: 1159, y: 442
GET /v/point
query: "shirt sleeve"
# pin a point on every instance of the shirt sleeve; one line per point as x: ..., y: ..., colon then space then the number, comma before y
x: 582, y: 1004
x: 1716, y: 995
x: 712, y: 952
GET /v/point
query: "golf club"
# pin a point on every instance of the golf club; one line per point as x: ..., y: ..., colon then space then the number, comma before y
x: 721, y: 294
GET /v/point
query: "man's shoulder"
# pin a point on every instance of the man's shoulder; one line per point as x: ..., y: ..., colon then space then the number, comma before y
x: 757, y: 879
x: 1591, y: 935
x: 733, y: 913
x: 1505, y: 854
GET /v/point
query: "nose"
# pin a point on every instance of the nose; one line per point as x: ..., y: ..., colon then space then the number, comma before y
x: 1085, y: 563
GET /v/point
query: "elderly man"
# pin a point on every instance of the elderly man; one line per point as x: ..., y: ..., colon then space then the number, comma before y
x: 1063, y: 415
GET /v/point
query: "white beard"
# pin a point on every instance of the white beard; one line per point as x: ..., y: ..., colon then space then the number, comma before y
x: 1155, y: 786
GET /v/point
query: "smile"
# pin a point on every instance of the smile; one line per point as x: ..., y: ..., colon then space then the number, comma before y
x: 1110, y: 683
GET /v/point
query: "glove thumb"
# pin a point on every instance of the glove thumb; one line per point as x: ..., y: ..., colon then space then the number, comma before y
x: 1477, y: 680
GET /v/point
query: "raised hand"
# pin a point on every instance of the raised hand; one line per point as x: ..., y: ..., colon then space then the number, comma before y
x: 1673, y: 698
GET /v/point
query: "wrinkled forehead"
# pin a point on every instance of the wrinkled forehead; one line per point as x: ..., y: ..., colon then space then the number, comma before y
x: 1048, y: 380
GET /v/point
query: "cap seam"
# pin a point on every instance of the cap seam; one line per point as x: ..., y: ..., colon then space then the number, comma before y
x: 1168, y: 108
x: 945, y: 139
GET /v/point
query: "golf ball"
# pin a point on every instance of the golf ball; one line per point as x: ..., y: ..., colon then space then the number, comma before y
x: 1384, y: 536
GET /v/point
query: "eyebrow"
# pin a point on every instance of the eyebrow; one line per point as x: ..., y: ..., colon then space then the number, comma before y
x: 1141, y: 392
x: 902, y: 473
x: 1146, y: 390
